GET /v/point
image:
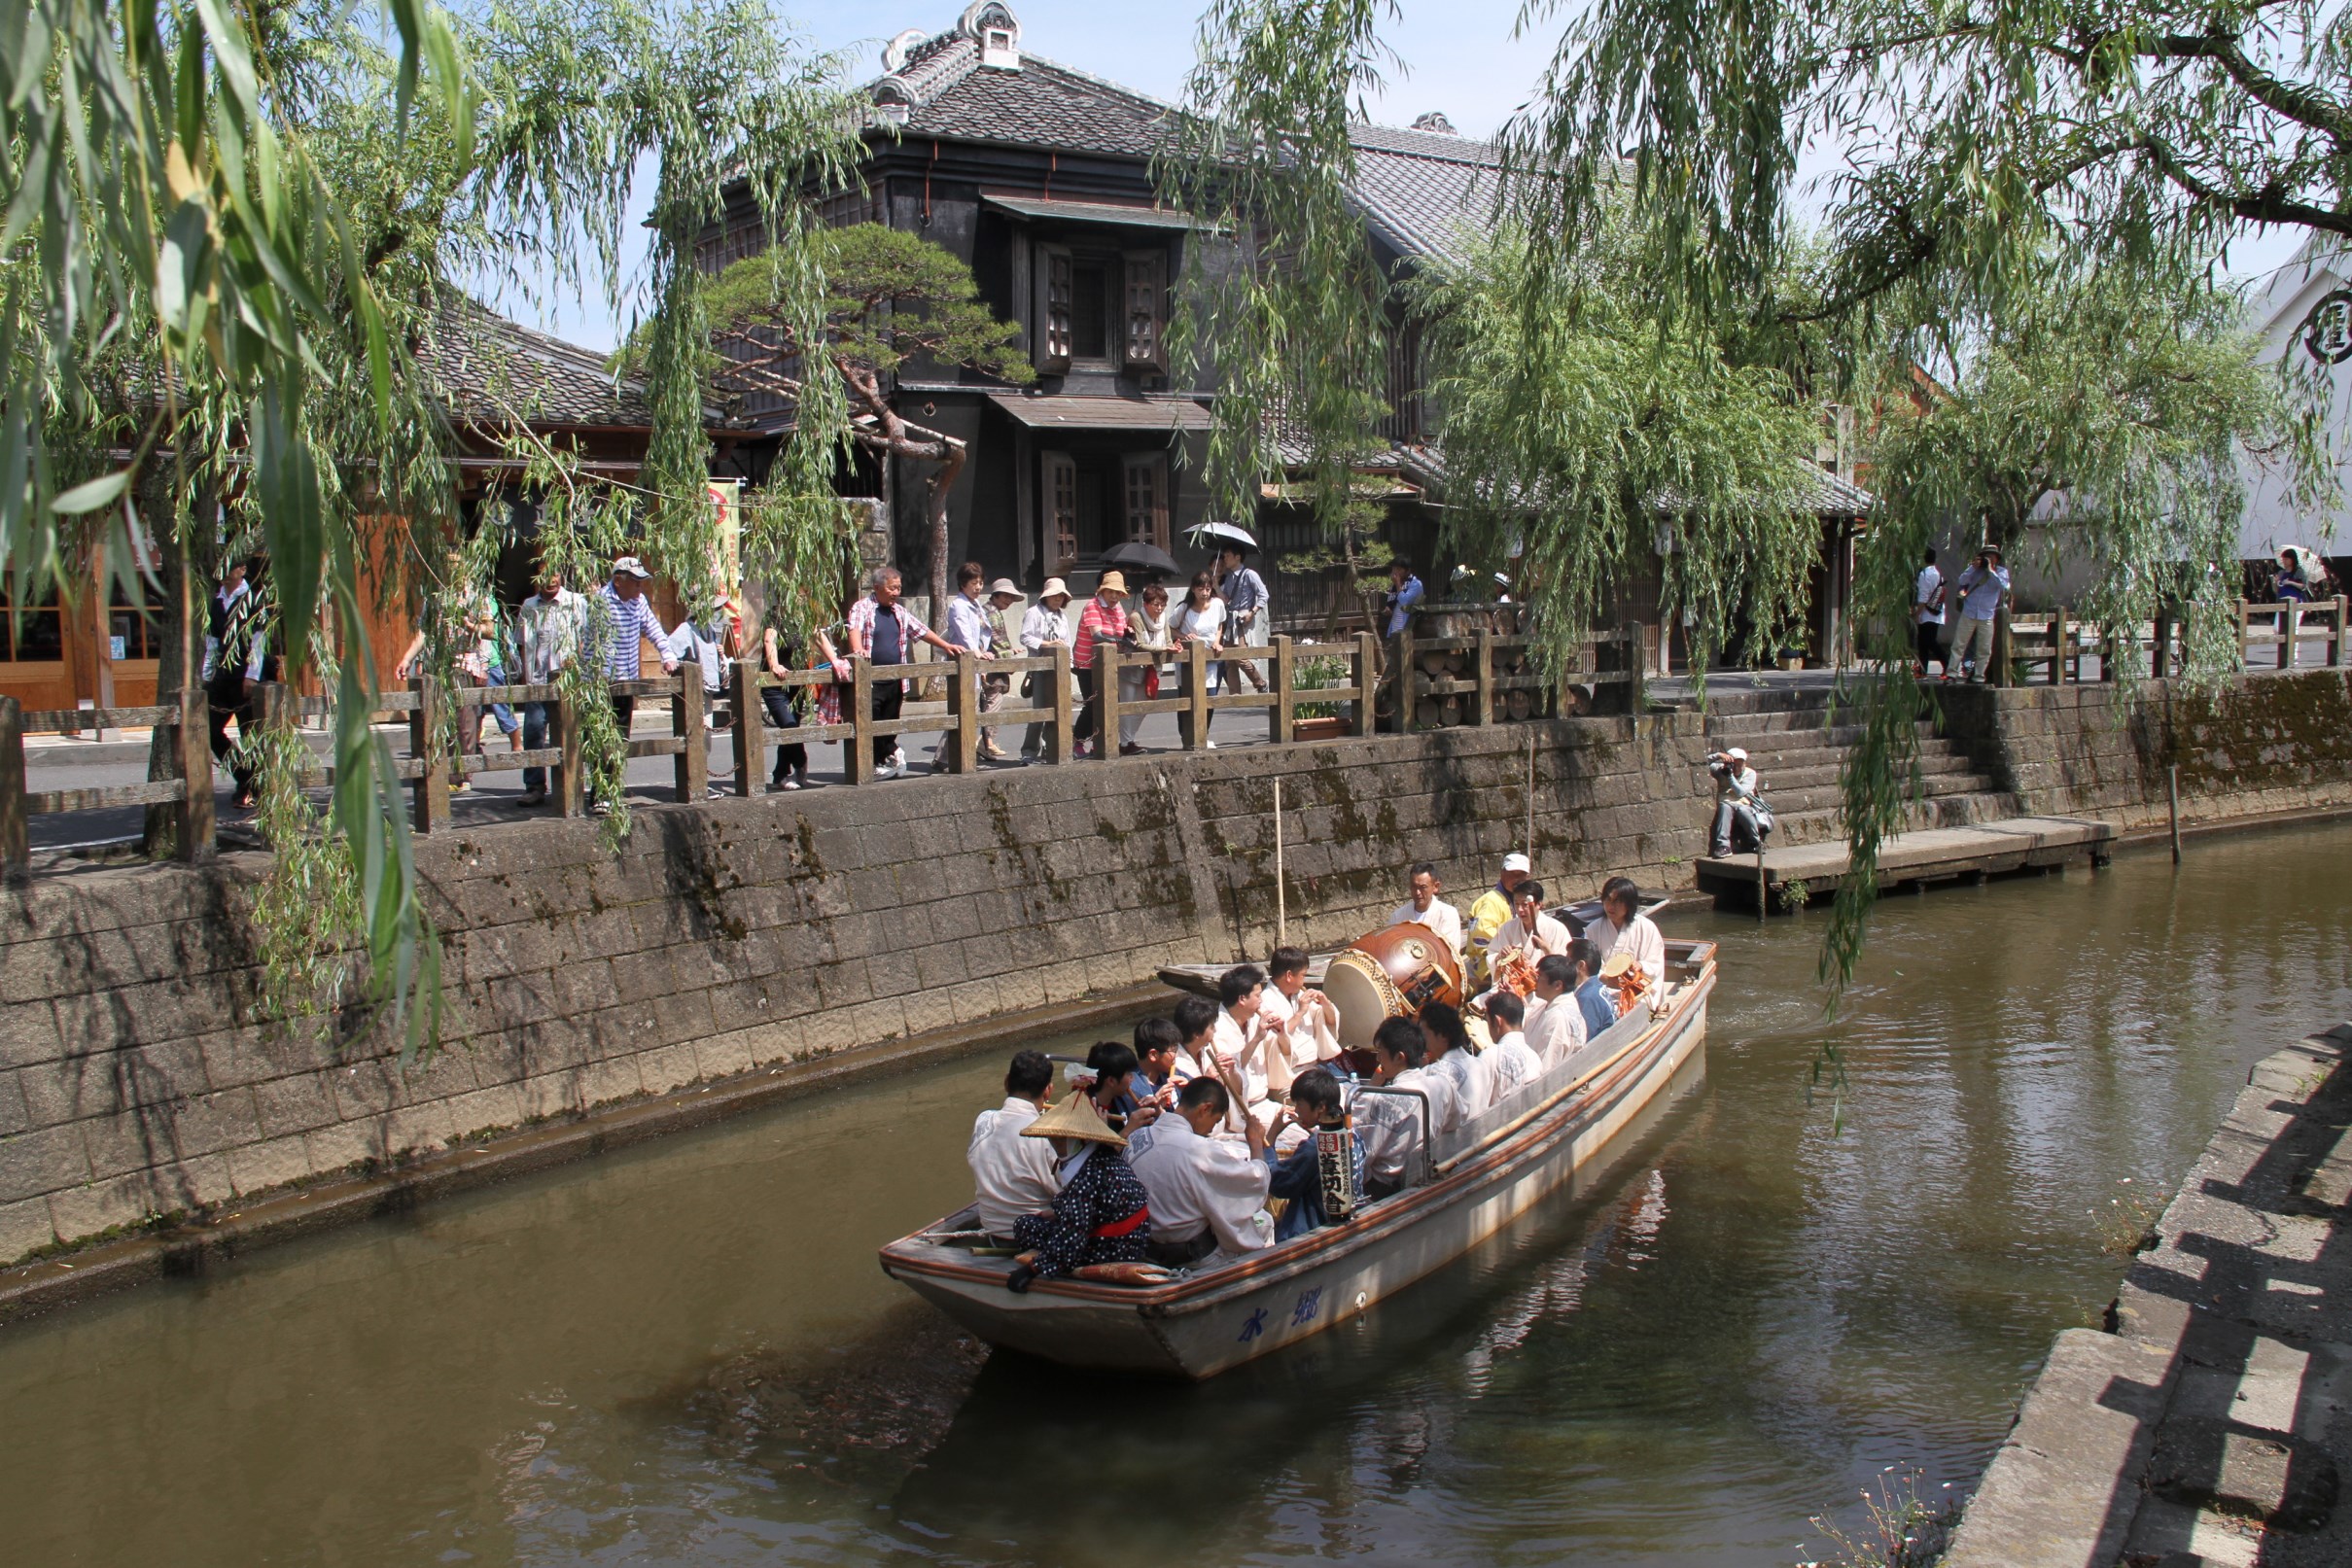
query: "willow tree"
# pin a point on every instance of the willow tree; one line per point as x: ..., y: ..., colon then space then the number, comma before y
x: 890, y: 297
x: 227, y: 227
x: 1579, y: 429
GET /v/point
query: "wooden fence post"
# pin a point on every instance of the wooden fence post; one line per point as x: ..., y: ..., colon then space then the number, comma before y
x: 1485, y: 673
x: 195, y: 739
x: 570, y: 772
x: 2060, y: 645
x: 750, y: 719
x: 862, y: 720
x: 1057, y: 728
x: 2159, y: 658
x: 16, y: 851
x: 1367, y: 677
x: 432, y: 797
x: 1284, y: 711
x: 1106, y: 700
x: 2004, y: 648
x: 1638, y: 671
x: 1196, y: 692
x: 2335, y: 643
x: 1402, y: 643
x: 2238, y: 607
x: 960, y: 748
x: 686, y: 712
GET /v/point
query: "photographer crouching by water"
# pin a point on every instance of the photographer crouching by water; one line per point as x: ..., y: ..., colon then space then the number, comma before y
x: 1743, y: 821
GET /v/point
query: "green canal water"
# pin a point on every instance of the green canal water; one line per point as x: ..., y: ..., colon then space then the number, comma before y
x: 685, y: 1355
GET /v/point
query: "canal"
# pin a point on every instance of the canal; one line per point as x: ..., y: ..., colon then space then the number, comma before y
x: 684, y: 1353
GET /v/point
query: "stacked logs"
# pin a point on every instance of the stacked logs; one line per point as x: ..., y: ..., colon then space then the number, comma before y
x: 1438, y: 667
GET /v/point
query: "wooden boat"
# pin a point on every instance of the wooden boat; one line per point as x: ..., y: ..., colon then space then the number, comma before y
x: 1201, y: 979
x: 1206, y: 1320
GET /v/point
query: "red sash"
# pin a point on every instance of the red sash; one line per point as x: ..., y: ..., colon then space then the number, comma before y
x: 1126, y: 1226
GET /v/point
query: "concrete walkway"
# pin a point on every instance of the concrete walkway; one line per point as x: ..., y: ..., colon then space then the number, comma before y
x: 2214, y: 1424
x: 1931, y: 854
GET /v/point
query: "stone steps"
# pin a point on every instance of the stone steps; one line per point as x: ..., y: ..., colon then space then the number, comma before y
x: 1956, y: 809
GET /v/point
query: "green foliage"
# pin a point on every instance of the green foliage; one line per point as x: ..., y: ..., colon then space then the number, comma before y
x: 1975, y: 139
x: 1580, y: 425
x: 307, y: 911
x: 2113, y: 409
x: 1294, y: 323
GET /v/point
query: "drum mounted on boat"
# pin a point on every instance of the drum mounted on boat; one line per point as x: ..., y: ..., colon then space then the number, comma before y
x: 1391, y: 974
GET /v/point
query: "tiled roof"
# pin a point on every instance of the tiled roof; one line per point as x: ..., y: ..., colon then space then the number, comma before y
x: 946, y: 92
x: 1426, y: 193
x: 488, y: 368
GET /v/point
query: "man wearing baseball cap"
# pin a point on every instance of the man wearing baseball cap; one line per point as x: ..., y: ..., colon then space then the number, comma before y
x: 1493, y: 910
x: 1742, y: 818
x: 628, y: 624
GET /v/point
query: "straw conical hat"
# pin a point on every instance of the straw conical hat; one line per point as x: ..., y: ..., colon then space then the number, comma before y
x: 1074, y: 1118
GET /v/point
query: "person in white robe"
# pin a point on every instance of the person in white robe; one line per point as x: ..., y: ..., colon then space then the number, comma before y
x: 1427, y: 908
x: 1529, y: 930
x: 1558, y: 1031
x: 1393, y: 1124
x: 1014, y: 1175
x: 1452, y: 1056
x: 1513, y: 1064
x: 1300, y: 1025
x: 1624, y: 929
x: 1241, y: 1045
x: 1208, y: 1193
x: 1195, y: 1019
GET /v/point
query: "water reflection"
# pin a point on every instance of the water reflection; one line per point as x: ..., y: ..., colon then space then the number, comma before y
x: 685, y: 1355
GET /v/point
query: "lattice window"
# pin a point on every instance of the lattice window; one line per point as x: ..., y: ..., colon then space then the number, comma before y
x: 1146, y: 312
x: 1055, y: 286
x: 1147, y: 498
x: 1062, y: 509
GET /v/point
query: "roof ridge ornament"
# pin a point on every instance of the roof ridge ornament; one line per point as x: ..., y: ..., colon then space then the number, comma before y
x: 992, y: 24
x: 902, y: 49
x: 1436, y: 123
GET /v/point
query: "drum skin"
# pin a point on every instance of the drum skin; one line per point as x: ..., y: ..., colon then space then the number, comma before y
x: 1391, y: 974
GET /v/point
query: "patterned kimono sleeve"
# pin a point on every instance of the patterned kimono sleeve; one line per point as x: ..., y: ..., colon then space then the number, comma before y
x: 1060, y: 1240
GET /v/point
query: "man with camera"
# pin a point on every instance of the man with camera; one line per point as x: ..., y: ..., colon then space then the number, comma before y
x: 1742, y: 818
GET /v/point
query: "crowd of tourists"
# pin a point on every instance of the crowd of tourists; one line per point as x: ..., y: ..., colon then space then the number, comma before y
x: 1208, y: 1136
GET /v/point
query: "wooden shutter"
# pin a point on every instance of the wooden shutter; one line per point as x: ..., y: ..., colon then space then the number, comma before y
x: 1146, y: 316
x: 1146, y: 478
x: 1060, y: 509
x: 1050, y: 350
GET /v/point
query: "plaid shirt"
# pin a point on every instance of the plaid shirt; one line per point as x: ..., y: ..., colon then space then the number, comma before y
x: 862, y: 624
x: 1098, y: 623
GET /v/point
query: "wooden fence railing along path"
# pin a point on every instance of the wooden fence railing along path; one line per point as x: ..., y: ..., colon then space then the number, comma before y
x: 1500, y: 671
x: 2049, y: 647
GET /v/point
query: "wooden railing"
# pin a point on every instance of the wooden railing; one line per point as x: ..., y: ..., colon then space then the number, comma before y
x: 2051, y: 647
x: 1474, y: 678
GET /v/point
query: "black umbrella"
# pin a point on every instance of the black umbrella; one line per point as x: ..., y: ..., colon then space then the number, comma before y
x: 1137, y: 556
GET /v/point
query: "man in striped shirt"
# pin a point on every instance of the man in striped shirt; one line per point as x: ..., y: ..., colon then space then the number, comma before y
x: 628, y: 623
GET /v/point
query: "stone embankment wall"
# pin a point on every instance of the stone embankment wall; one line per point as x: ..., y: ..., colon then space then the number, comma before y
x: 136, y: 1080
x: 2262, y: 744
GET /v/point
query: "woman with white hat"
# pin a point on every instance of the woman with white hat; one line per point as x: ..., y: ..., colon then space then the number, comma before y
x: 1042, y: 628
x: 1102, y: 1215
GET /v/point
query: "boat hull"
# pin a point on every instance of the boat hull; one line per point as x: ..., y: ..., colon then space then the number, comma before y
x: 1209, y: 1323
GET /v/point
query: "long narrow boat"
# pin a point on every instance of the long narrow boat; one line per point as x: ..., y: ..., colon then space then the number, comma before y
x: 1208, y: 1320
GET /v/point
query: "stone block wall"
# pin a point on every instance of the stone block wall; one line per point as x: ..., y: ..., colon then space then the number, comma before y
x: 136, y: 1080
x: 2261, y: 743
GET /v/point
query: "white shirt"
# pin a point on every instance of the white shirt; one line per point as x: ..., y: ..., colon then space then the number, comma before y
x: 1640, y: 938
x: 1042, y: 624
x: 1513, y: 1064
x: 1473, y: 1085
x: 1557, y: 1033
x: 1015, y: 1175
x: 1445, y: 1098
x: 1551, y: 936
x: 1230, y: 1041
x: 1201, y: 1184
x: 1925, y: 592
x: 1442, y: 917
x: 1298, y: 1041
x: 1392, y: 1124
x: 1204, y: 625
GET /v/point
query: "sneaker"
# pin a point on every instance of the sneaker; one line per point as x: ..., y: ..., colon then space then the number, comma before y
x: 1209, y: 744
x: 1131, y: 748
x: 530, y: 798
x: 790, y: 783
x: 899, y: 759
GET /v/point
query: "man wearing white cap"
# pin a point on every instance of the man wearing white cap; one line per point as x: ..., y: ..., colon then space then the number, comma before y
x: 1044, y: 628
x: 1742, y: 819
x: 1493, y: 910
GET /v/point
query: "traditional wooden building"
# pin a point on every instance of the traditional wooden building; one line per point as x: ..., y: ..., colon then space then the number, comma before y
x: 1038, y: 178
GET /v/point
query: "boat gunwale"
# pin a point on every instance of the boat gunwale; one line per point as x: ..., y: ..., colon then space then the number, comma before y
x: 1540, y: 1129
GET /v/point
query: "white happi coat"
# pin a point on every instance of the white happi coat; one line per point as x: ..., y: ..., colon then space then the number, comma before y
x: 1513, y: 1064
x: 1640, y: 939
x: 1557, y: 1033
x: 1442, y: 917
x: 1201, y: 1184
x: 1014, y: 1175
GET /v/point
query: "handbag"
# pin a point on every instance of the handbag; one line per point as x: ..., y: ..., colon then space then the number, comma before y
x: 1151, y: 682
